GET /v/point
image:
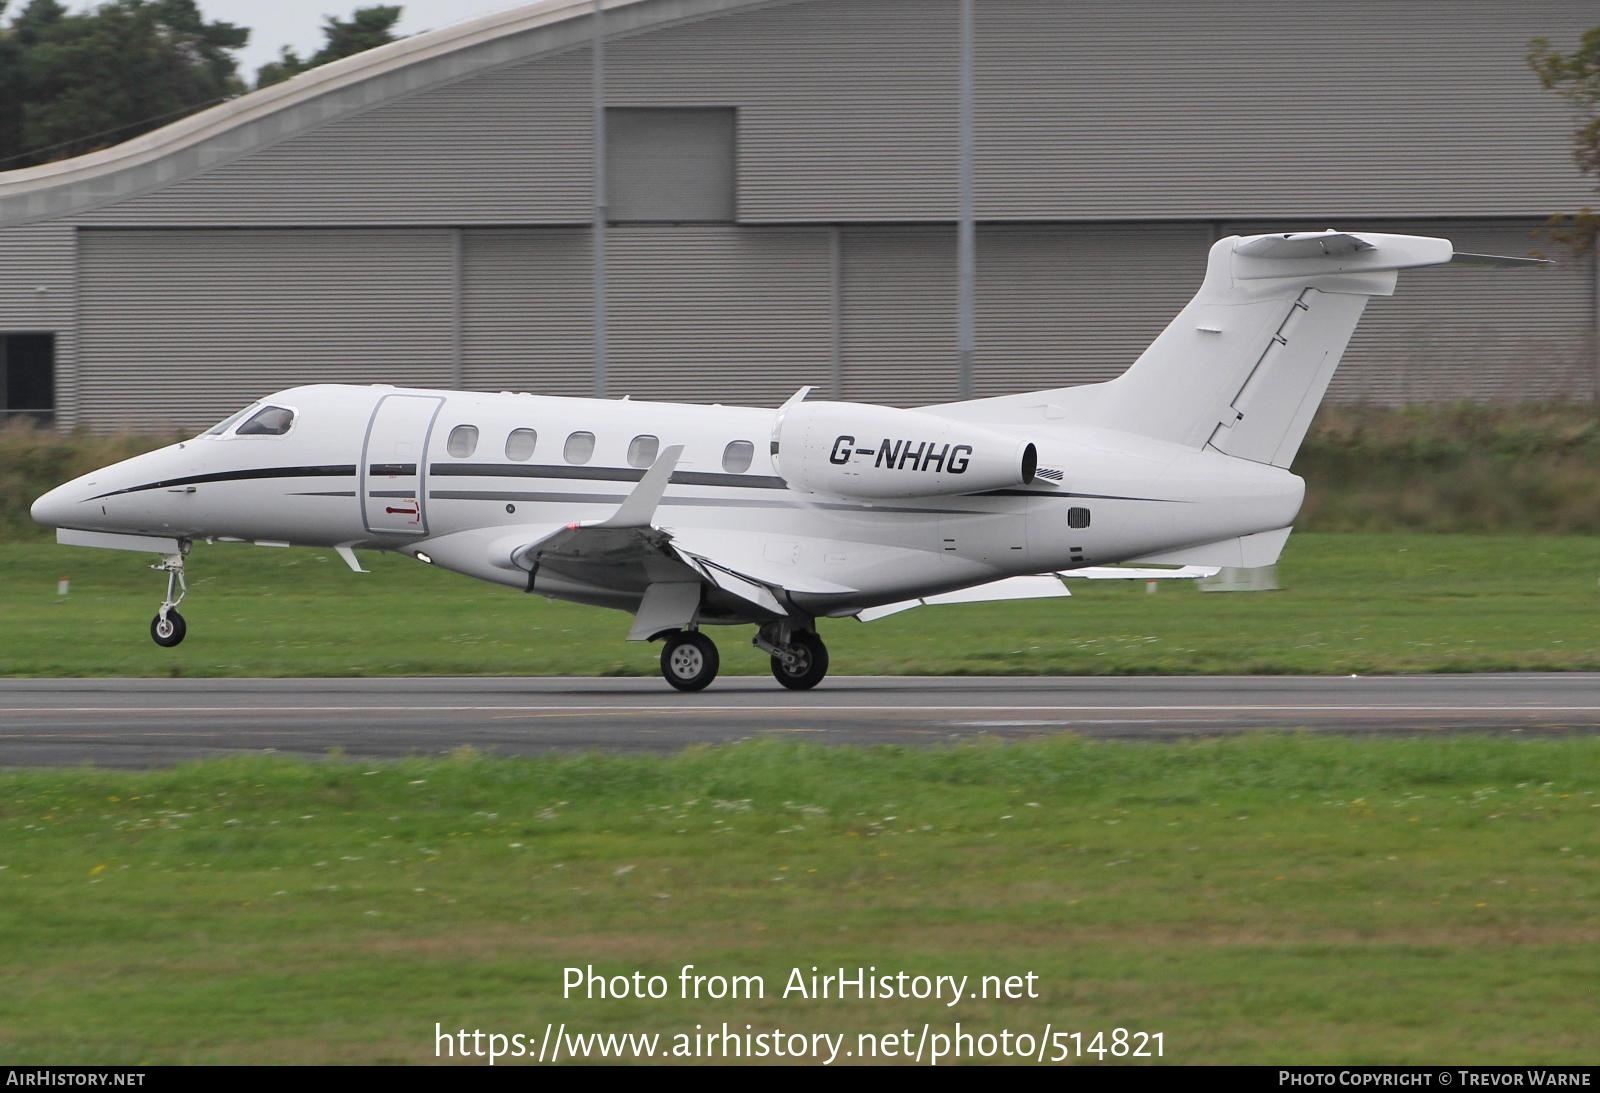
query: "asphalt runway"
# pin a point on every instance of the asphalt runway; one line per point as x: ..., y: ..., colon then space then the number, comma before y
x: 152, y: 722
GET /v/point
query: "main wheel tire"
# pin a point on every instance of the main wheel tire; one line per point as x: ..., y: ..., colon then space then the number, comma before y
x: 809, y: 665
x: 169, y: 631
x: 689, y: 660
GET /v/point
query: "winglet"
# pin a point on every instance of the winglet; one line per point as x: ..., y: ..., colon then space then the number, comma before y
x: 638, y: 510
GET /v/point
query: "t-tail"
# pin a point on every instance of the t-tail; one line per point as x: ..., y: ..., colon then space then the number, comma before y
x: 1244, y: 366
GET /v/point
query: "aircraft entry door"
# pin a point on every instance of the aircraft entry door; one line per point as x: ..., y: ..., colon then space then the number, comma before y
x: 393, y: 473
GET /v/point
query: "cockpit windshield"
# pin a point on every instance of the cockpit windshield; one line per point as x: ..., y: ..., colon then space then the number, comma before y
x: 268, y: 421
x: 230, y: 421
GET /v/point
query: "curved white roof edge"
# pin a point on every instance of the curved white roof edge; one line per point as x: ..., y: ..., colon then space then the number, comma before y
x: 196, y: 129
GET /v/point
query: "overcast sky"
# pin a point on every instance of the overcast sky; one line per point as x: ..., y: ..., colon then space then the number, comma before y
x: 298, y: 23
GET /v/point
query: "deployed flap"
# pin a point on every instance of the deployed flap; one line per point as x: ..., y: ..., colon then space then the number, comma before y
x: 744, y: 553
x: 668, y: 605
x: 1039, y: 587
x: 1245, y: 552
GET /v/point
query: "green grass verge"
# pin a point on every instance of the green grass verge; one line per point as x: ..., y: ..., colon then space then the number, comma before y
x: 1350, y: 603
x: 1272, y: 899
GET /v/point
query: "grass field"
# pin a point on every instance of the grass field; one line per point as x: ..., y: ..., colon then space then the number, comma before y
x: 1264, y: 900
x: 1350, y: 603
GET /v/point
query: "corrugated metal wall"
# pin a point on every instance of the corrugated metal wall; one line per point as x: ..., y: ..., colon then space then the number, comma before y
x: 1115, y: 139
x: 697, y: 314
x: 1057, y: 304
x: 1177, y: 110
x: 38, y: 294
x: 182, y: 327
x: 508, y: 146
x: 527, y: 309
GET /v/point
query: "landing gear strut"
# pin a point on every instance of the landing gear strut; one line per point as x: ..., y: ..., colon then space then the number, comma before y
x: 168, y: 628
x: 799, y: 659
x: 689, y: 660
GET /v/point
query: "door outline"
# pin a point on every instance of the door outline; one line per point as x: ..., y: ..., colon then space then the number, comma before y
x: 421, y: 479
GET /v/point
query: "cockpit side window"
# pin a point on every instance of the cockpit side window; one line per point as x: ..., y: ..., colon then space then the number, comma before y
x: 228, y: 422
x: 268, y: 421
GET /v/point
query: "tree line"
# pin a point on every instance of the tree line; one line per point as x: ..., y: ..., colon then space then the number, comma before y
x: 75, y: 81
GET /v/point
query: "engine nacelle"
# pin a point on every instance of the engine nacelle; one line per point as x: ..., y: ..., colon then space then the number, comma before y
x: 848, y: 449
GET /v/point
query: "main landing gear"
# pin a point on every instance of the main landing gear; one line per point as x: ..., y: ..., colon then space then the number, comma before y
x: 801, y: 664
x: 168, y: 628
x: 689, y: 659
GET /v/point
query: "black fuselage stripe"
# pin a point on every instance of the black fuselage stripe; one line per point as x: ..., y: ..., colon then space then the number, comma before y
x: 602, y: 474
x: 589, y: 474
x: 251, y: 474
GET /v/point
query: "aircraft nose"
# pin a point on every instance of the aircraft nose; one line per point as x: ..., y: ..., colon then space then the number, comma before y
x: 53, y: 509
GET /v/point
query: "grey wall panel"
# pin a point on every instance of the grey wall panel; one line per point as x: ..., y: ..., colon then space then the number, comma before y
x: 1057, y: 304
x: 179, y: 328
x: 665, y: 165
x: 1067, y: 304
x: 1153, y: 109
x: 1190, y: 110
x: 899, y: 315
x: 526, y: 315
x: 718, y: 314
x: 38, y: 294
x: 1178, y: 110
x: 509, y: 145
x: 1457, y: 333
x: 697, y: 314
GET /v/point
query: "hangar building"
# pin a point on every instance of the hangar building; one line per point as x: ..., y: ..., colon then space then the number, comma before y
x: 778, y: 205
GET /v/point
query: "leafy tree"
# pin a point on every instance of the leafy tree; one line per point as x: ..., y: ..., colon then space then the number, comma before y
x: 80, y: 81
x: 366, y: 29
x: 1575, y: 77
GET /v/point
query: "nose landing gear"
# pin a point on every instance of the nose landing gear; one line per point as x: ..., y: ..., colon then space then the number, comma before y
x: 168, y: 628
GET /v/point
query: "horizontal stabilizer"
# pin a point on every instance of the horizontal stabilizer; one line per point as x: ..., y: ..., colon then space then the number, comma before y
x: 1303, y: 245
x: 1497, y: 261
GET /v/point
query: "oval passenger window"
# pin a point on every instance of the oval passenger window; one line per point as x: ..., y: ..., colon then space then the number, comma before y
x: 463, y: 441
x: 519, y: 445
x: 642, y: 452
x: 580, y: 446
x: 736, y: 456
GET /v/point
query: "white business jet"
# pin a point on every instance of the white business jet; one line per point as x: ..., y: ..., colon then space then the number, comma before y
x: 687, y: 516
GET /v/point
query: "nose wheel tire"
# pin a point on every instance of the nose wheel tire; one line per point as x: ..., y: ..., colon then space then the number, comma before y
x: 805, y: 665
x: 689, y: 660
x: 169, y: 630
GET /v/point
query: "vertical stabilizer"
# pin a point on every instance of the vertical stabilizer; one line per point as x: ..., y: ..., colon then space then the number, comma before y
x: 1244, y: 366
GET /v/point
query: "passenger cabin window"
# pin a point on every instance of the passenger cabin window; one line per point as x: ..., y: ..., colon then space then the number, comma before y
x: 642, y: 452
x: 463, y: 441
x: 580, y: 447
x: 519, y: 445
x: 737, y: 455
x: 269, y: 421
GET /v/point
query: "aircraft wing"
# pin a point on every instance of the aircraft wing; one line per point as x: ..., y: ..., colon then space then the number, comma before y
x: 673, y: 572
